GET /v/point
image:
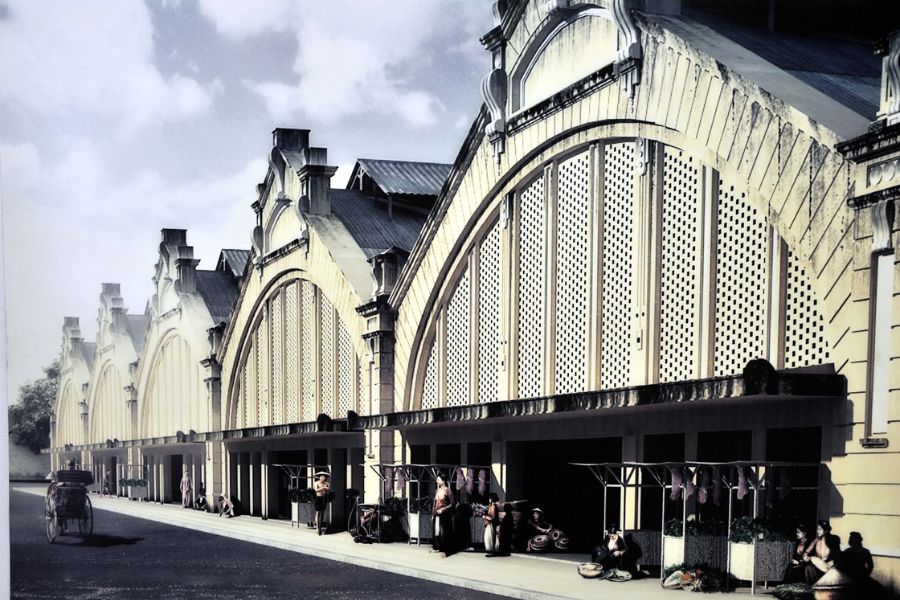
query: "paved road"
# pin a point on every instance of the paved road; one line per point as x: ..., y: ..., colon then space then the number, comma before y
x: 135, y: 558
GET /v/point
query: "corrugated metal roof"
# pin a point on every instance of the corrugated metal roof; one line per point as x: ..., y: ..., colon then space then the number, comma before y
x: 219, y: 291
x: 88, y: 350
x: 235, y: 260
x: 368, y: 222
x: 845, y: 70
x: 137, y: 325
x: 403, y: 177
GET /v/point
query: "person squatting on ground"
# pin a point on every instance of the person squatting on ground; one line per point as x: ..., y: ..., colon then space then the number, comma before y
x: 611, y: 552
x: 226, y: 506
x: 321, y: 487
x: 443, y: 517
x: 490, y: 524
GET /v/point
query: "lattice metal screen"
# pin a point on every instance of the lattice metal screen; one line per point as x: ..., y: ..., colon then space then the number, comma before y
x: 362, y: 400
x: 618, y: 213
x: 250, y: 387
x: 429, y: 386
x: 532, y: 275
x: 572, y: 270
x: 307, y: 351
x: 680, y: 269
x: 804, y: 326
x: 327, y: 354
x: 262, y: 370
x: 489, y: 316
x: 346, y: 370
x: 291, y: 353
x: 278, y: 359
x: 459, y: 326
x: 742, y: 282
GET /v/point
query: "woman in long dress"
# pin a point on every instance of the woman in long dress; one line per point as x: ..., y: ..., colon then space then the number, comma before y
x: 490, y: 524
x: 443, y: 517
x: 819, y: 556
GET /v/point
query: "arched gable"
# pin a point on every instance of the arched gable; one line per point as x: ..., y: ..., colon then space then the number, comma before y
x: 107, y: 405
x: 69, y: 428
x: 781, y: 158
x: 170, y: 396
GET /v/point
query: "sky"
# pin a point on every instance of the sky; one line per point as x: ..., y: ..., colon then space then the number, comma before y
x: 119, y: 118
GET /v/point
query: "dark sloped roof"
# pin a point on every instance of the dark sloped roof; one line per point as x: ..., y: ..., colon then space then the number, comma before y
x: 403, y: 177
x: 845, y: 70
x: 136, y: 325
x: 88, y: 350
x: 219, y: 291
x: 368, y: 222
x: 235, y: 260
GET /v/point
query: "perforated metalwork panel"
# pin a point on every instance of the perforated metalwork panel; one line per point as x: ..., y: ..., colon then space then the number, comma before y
x: 307, y: 351
x: 680, y: 268
x: 572, y: 273
x: 277, y: 358
x: 362, y: 400
x: 346, y: 370
x: 458, y: 335
x: 532, y: 275
x: 327, y: 354
x: 262, y: 371
x: 804, y: 326
x: 291, y: 353
x: 742, y: 282
x: 250, y: 403
x: 489, y: 316
x: 618, y: 214
x: 429, y: 386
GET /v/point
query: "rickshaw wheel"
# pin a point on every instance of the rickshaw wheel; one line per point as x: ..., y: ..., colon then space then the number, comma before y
x: 52, y: 529
x: 86, y: 522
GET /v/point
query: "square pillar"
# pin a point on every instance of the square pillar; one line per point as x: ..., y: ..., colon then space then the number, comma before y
x: 255, y: 477
x: 337, y: 465
x: 629, y: 507
x: 243, y: 480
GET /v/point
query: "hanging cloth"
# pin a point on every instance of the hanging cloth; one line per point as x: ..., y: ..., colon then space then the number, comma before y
x: 482, y: 482
x: 470, y: 480
x: 677, y: 481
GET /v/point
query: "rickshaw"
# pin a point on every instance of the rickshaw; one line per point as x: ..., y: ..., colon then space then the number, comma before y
x: 67, y: 501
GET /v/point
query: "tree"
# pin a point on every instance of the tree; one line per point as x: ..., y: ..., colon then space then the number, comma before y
x: 29, y: 418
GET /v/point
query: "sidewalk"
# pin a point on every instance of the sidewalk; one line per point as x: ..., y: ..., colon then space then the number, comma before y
x: 519, y: 576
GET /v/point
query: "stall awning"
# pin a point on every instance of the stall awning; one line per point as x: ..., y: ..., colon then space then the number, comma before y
x: 324, y: 424
x: 758, y: 381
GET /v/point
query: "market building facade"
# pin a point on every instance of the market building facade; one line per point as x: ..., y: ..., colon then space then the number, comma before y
x: 655, y: 251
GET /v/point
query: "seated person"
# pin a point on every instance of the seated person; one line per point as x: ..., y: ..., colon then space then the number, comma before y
x: 611, y: 552
x: 796, y: 567
x: 200, y: 503
x: 540, y: 532
x: 226, y: 506
x: 819, y: 556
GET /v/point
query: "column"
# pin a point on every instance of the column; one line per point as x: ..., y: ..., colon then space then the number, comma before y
x: 163, y: 467
x: 629, y: 507
x: 243, y: 490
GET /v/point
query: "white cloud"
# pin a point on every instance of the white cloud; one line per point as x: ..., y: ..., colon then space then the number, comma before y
x: 241, y: 19
x: 91, y: 57
x: 356, y: 58
x: 68, y: 227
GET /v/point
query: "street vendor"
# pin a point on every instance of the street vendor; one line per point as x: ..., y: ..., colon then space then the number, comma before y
x: 611, y: 552
x: 321, y: 487
x: 443, y: 517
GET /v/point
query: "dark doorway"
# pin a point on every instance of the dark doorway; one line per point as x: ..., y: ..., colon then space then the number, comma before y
x: 787, y: 501
x: 177, y: 463
x: 664, y: 447
x: 447, y: 454
x: 419, y: 454
x: 572, y: 499
x: 725, y: 446
x: 288, y: 457
x: 114, y: 487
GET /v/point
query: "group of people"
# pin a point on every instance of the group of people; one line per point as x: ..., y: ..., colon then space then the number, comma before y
x: 497, y: 519
x: 820, y: 560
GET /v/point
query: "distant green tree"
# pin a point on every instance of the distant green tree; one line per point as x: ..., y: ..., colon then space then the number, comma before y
x: 29, y: 418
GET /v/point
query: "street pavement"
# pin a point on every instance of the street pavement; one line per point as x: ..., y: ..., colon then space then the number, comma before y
x: 132, y: 558
x: 148, y: 550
